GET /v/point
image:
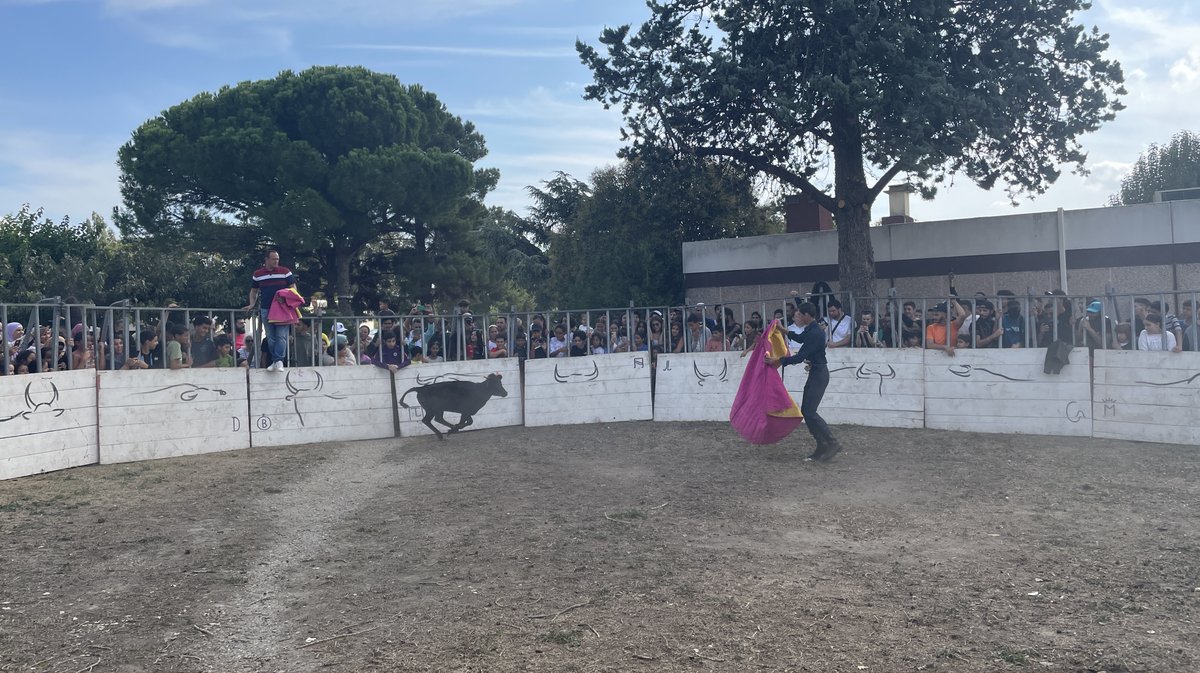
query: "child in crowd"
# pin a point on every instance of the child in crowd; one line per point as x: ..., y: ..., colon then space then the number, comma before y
x: 1124, y: 337
x: 224, y: 351
x: 177, y: 348
x: 597, y: 344
x: 716, y: 342
x: 1153, y: 338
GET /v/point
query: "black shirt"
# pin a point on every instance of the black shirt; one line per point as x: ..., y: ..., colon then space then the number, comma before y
x: 812, y: 346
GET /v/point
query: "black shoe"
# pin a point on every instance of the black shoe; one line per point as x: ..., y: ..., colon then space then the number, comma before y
x: 831, y: 450
x: 819, y: 453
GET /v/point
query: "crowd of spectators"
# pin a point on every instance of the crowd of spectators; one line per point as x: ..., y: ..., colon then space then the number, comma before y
x: 390, y: 341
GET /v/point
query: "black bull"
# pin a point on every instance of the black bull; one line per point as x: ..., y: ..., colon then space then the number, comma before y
x: 465, y: 398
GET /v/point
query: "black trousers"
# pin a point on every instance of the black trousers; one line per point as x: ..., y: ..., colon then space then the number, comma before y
x: 814, y: 390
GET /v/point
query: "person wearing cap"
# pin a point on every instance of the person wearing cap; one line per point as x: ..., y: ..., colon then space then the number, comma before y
x: 812, y: 352
x: 1055, y: 321
x: 345, y: 356
x: 1094, y: 329
x: 987, y: 328
x: 937, y: 329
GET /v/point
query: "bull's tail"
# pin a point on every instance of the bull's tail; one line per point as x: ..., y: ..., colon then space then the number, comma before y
x: 402, y: 404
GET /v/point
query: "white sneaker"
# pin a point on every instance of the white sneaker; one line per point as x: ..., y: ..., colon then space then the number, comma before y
x: 276, y: 366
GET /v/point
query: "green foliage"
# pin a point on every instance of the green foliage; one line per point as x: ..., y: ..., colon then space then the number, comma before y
x: 621, y: 238
x: 792, y: 88
x: 1175, y: 165
x: 325, y: 163
x: 86, y: 263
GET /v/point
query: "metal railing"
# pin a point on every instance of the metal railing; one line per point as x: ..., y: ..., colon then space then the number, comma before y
x: 73, y: 336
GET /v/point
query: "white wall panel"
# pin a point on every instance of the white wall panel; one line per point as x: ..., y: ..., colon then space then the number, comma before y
x: 47, y: 422
x: 697, y: 386
x: 1007, y: 391
x: 590, y: 389
x: 158, y: 413
x: 308, y: 405
x: 498, y: 412
x: 1148, y: 396
x: 869, y: 386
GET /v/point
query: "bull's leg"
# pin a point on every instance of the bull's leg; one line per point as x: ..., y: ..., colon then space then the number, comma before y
x: 441, y: 418
x: 462, y: 423
x: 428, y: 421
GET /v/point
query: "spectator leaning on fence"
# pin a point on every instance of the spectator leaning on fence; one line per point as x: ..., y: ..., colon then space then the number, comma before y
x: 840, y: 325
x: 264, y: 284
x: 1169, y: 323
x: 1012, y: 323
x: 1153, y: 338
x: 864, y: 333
x: 1095, y: 330
x: 177, y: 357
x: 203, y: 348
x: 938, y: 331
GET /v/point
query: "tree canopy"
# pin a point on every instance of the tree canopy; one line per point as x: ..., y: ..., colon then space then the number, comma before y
x: 322, y: 163
x: 1175, y: 165
x: 621, y: 237
x: 85, y: 263
x: 1000, y: 92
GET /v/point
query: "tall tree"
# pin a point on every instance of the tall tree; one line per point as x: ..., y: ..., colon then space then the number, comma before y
x: 621, y: 237
x: 1175, y: 165
x: 997, y: 91
x: 321, y: 163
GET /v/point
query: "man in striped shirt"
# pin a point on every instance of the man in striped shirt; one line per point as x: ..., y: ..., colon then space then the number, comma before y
x: 265, y: 282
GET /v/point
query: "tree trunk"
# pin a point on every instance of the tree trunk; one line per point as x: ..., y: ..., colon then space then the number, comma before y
x: 856, y: 256
x: 341, y: 284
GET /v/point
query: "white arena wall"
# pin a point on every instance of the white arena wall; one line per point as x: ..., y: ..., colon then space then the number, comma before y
x: 68, y: 419
x: 163, y: 414
x: 869, y: 386
x: 47, y: 422
x: 1007, y: 391
x: 309, y: 405
x: 697, y: 386
x: 498, y: 412
x: 591, y: 389
x: 1147, y: 397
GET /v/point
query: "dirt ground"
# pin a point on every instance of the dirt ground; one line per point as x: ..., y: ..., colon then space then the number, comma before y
x: 623, y: 547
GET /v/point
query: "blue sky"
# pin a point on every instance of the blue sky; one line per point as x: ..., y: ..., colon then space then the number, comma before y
x: 81, y: 75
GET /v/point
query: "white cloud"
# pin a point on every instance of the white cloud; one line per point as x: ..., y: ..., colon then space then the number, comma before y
x: 1185, y: 72
x: 68, y: 175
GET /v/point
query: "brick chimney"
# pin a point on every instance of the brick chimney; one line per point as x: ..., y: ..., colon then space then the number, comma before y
x: 898, y: 210
x: 801, y: 213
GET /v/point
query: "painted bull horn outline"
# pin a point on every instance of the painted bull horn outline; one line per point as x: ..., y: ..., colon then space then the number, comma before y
x: 589, y: 376
x: 295, y: 395
x: 701, y: 377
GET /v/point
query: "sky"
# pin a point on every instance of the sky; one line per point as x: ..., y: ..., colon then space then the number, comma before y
x: 82, y: 75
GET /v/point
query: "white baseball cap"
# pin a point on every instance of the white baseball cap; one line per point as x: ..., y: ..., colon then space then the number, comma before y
x: 339, y: 327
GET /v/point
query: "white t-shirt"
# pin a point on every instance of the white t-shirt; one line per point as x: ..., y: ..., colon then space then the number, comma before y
x: 839, y: 329
x: 1164, y: 341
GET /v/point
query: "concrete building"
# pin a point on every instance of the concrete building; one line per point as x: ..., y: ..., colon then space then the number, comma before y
x: 1143, y: 249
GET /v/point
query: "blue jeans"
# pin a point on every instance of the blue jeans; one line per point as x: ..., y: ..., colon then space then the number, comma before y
x: 277, y: 338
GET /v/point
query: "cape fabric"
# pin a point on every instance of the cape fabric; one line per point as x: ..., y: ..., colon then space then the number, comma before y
x: 285, y: 308
x: 763, y: 411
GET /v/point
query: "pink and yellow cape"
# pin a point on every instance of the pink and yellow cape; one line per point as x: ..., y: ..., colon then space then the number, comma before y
x: 763, y: 411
